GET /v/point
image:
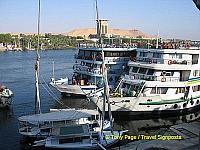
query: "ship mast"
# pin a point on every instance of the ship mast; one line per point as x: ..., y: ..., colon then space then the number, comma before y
x: 37, y: 64
x: 104, y: 74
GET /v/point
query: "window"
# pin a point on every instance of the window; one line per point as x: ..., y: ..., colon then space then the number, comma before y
x: 196, y: 88
x: 179, y: 56
x: 81, y: 53
x: 143, y: 54
x: 153, y: 91
x: 157, y: 55
x: 150, y: 72
x: 162, y: 90
x: 115, y: 54
x: 142, y: 70
x: 107, y: 54
x: 195, y: 73
x: 180, y: 90
x: 134, y: 69
x: 159, y: 90
x: 87, y: 53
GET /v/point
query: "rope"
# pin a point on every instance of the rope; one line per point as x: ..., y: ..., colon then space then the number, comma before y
x: 50, y: 92
x: 49, y: 87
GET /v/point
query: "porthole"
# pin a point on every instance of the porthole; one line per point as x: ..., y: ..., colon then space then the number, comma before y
x: 191, y: 102
x: 197, y: 102
x: 175, y: 106
x: 184, y: 105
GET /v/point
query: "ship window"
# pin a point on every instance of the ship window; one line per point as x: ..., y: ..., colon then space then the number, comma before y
x: 87, y: 53
x: 143, y: 54
x: 162, y: 90
x: 196, y: 88
x: 135, y: 69
x: 142, y: 70
x: 81, y: 53
x: 157, y: 55
x: 115, y: 54
x: 195, y: 73
x: 180, y: 90
x: 107, y: 54
x: 159, y: 90
x: 179, y: 56
x: 153, y: 91
x: 150, y: 72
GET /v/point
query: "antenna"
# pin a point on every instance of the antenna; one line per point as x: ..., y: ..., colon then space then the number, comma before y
x: 37, y: 64
x: 98, y: 24
x: 157, y: 39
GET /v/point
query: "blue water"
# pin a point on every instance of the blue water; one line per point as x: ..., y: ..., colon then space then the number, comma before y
x: 17, y: 73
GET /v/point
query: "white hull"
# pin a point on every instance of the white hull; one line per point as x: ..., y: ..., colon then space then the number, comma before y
x: 75, y: 89
x: 140, y: 104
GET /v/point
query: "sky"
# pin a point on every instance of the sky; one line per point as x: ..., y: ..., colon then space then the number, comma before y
x: 173, y: 18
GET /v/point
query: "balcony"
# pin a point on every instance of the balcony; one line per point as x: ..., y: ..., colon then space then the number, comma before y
x: 97, y: 58
x: 86, y: 69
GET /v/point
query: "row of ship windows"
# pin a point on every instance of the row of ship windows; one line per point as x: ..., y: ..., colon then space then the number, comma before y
x: 178, y: 90
x: 159, y: 55
x: 142, y: 70
x: 106, y: 54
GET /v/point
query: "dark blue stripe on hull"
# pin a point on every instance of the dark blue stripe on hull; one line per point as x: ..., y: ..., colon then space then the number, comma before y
x: 138, y: 115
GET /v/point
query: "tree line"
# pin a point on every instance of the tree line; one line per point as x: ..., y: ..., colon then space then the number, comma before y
x: 47, y: 41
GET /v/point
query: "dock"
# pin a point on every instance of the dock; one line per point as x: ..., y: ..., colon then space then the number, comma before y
x: 189, y: 133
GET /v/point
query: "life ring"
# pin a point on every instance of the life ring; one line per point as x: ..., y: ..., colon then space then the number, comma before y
x: 113, y: 102
x: 169, y: 62
x: 163, y: 79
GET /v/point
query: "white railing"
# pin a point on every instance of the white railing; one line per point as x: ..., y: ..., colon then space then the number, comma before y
x: 154, y: 78
x: 161, y: 61
x: 87, y: 69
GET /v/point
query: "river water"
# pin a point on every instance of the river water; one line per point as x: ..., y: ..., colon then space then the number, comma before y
x: 17, y: 73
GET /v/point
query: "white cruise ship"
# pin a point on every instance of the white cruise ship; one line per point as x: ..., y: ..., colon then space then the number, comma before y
x: 160, y: 81
x: 87, y: 70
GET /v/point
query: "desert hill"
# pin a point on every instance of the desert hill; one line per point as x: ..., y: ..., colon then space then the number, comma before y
x: 122, y: 32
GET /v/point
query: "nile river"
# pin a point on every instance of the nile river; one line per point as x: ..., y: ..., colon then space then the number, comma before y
x: 17, y: 73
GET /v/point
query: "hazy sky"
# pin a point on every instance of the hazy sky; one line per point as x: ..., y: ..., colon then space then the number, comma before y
x: 174, y: 18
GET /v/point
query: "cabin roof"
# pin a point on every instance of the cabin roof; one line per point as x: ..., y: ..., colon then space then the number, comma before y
x: 178, y: 51
x: 108, y: 49
x: 70, y: 114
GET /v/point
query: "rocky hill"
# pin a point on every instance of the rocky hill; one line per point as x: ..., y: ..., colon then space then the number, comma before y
x: 122, y: 32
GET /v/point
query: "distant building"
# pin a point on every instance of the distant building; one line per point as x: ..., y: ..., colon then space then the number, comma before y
x: 102, y: 27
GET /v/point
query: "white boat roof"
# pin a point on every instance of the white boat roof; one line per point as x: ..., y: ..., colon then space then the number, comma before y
x: 108, y: 49
x: 178, y: 51
x: 55, y: 116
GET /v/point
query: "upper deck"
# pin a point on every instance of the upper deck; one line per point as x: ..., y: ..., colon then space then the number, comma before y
x: 95, y: 53
x: 171, y: 59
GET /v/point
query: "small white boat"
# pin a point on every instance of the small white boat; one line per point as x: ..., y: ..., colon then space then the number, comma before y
x: 64, y: 87
x: 5, y: 97
x: 40, y: 125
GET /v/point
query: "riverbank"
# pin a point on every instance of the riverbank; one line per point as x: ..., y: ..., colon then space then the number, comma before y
x: 2, y: 49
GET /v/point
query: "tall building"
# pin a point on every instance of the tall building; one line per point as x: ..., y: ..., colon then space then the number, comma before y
x: 102, y: 27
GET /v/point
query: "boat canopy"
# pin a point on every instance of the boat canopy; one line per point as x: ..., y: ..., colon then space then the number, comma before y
x: 55, y: 116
